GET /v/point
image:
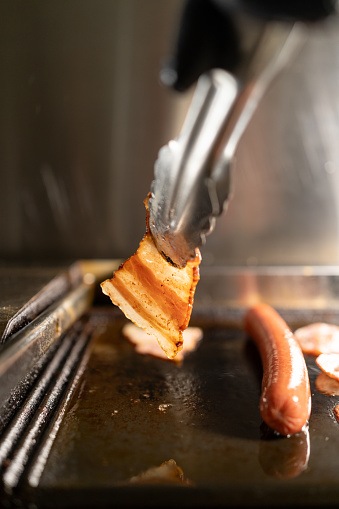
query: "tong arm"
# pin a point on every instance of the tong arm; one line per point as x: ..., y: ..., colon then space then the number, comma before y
x: 193, y: 172
x: 182, y: 206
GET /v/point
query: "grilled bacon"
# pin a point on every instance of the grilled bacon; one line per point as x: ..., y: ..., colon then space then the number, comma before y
x: 154, y: 294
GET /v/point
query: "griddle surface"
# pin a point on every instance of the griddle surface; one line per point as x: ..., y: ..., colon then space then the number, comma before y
x: 131, y: 412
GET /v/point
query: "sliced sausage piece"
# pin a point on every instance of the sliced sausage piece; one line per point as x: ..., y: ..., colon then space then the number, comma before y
x: 285, y: 403
x: 336, y: 412
x: 329, y: 363
x: 318, y: 338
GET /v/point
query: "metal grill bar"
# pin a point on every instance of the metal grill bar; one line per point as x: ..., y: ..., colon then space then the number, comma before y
x: 22, y: 439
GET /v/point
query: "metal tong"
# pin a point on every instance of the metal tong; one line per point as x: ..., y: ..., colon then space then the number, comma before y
x: 192, y: 184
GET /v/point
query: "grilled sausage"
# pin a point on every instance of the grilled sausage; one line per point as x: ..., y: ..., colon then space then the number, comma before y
x: 285, y: 403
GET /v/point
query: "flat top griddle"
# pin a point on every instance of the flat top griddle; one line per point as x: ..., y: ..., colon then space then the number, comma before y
x: 126, y: 413
x: 132, y: 412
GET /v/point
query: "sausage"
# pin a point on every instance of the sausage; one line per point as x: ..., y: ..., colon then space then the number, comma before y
x: 285, y: 403
x: 336, y: 412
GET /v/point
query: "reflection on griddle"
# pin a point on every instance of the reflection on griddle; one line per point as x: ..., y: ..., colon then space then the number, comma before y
x: 284, y: 457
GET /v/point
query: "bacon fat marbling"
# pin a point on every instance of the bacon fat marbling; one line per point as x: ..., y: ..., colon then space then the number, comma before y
x: 154, y: 294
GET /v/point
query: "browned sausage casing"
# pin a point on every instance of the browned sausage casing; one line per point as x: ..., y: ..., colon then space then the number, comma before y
x: 285, y: 403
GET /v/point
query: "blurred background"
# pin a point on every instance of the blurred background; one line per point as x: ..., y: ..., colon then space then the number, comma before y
x: 83, y: 115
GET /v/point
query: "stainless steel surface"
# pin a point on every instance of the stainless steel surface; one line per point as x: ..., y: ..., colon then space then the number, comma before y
x: 192, y: 174
x: 80, y: 88
x: 25, y: 292
x: 26, y: 347
x: 19, y: 285
x: 83, y: 116
x: 20, y: 441
x: 301, y: 293
x: 308, y: 287
x: 286, y: 188
x: 42, y: 408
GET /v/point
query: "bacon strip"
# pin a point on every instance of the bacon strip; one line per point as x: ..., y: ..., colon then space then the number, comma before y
x: 154, y: 294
